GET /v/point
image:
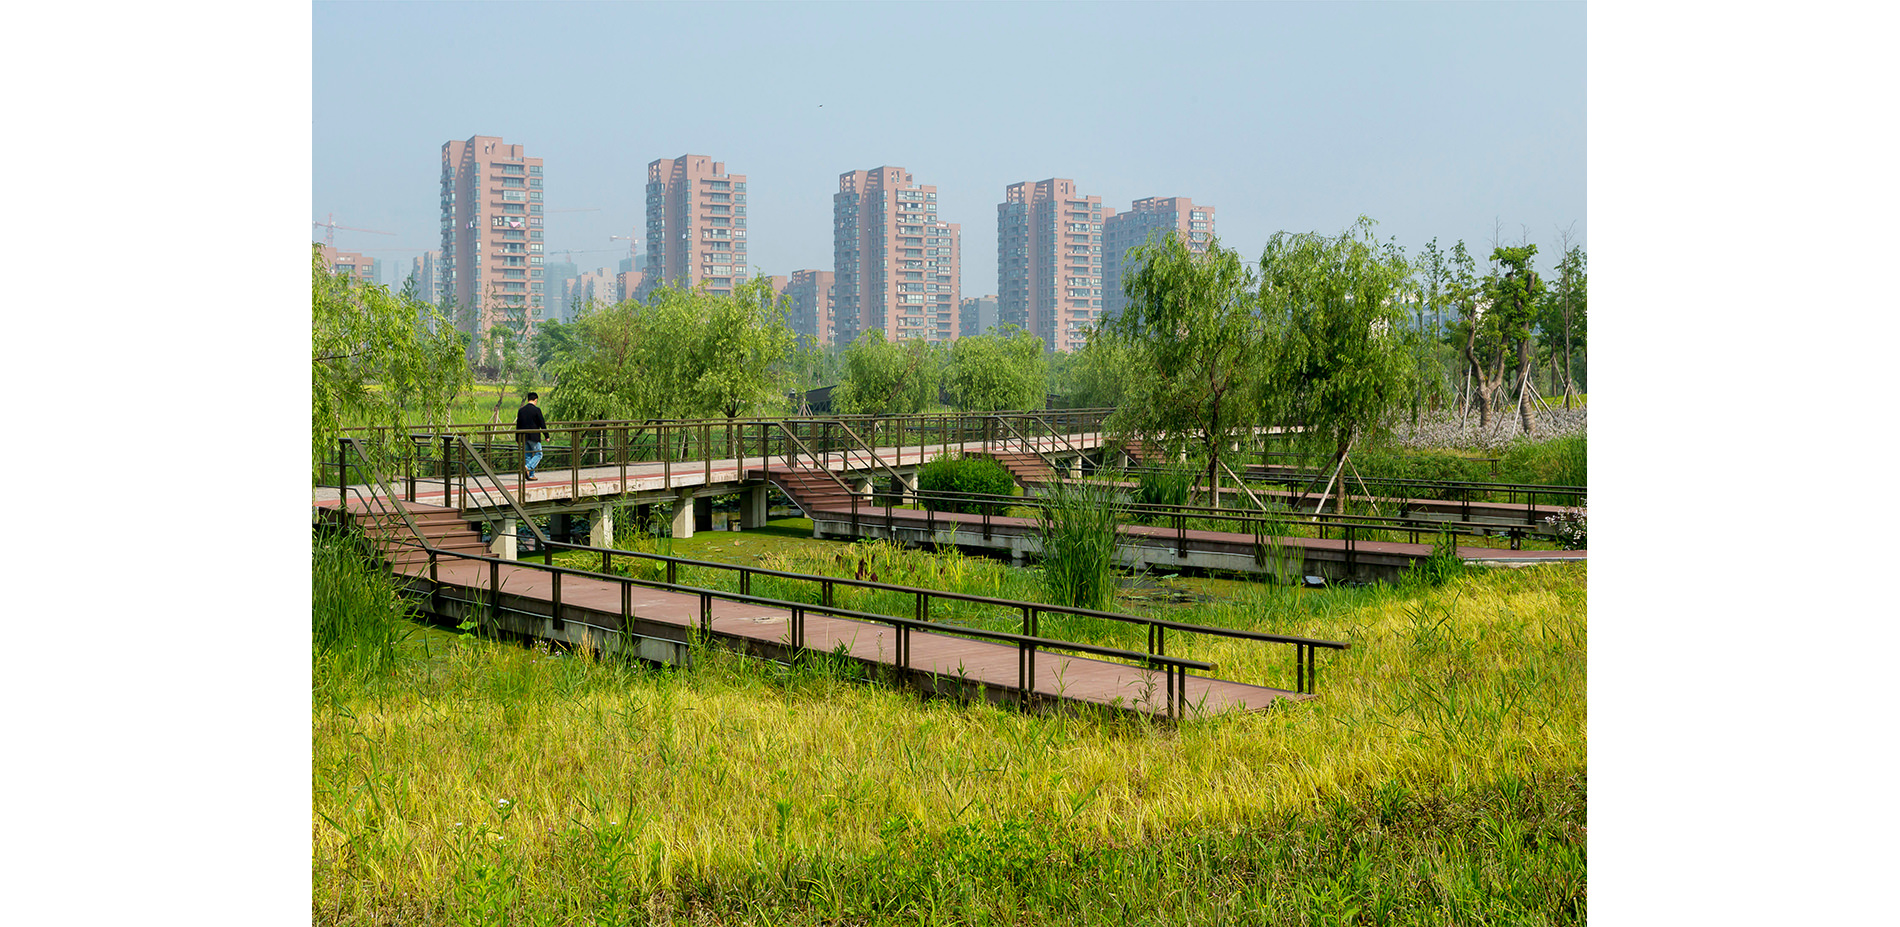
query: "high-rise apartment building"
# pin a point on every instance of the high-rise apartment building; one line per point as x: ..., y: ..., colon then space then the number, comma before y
x: 810, y: 292
x: 896, y: 266
x: 1156, y: 215
x: 976, y: 315
x: 1049, y: 260
x: 426, y: 268
x: 557, y: 273
x: 491, y: 231
x: 695, y: 225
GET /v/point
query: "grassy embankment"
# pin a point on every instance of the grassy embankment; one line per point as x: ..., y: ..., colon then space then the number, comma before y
x: 1438, y: 778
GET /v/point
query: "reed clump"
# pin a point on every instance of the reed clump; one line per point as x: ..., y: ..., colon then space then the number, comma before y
x: 1077, y: 525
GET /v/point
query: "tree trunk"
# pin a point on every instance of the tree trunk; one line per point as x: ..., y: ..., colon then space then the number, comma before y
x: 1527, y: 417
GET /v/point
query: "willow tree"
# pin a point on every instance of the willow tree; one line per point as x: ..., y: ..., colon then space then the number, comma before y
x: 1190, y: 339
x: 741, y: 352
x: 997, y: 370
x: 888, y: 377
x: 1339, y: 363
x: 682, y: 353
x: 376, y: 358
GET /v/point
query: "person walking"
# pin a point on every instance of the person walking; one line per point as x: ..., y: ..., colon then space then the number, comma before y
x: 528, y: 428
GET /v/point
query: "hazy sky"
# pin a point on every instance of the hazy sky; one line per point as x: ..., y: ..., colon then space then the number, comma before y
x: 1436, y: 119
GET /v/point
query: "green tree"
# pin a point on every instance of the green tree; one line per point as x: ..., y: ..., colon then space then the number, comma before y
x: 552, y: 341
x: 376, y: 358
x: 741, y: 351
x: 1562, y: 318
x: 1340, y: 362
x: 887, y: 377
x: 1096, y: 375
x: 1514, y: 290
x: 1475, y: 330
x: 997, y: 370
x: 683, y: 353
x: 1190, y: 339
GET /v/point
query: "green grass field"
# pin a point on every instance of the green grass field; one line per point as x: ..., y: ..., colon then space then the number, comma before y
x: 1439, y: 777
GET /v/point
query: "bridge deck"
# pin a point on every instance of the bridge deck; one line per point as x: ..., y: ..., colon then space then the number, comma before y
x: 575, y: 483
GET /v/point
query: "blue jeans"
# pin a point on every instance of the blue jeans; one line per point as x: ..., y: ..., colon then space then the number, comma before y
x: 533, y: 459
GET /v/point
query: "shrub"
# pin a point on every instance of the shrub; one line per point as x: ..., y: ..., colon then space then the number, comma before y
x: 956, y: 473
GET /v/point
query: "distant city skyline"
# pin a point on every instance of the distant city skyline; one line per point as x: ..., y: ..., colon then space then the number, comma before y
x: 1435, y: 119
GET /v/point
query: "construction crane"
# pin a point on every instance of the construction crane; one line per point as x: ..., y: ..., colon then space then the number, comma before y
x: 330, y: 227
x: 633, y: 244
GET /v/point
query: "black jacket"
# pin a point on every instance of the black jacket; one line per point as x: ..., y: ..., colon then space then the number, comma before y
x: 528, y: 422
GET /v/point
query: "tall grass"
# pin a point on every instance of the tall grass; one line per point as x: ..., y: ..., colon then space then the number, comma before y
x: 357, y: 618
x: 1077, y: 525
x: 1557, y: 462
x: 1439, y: 778
x: 1169, y: 484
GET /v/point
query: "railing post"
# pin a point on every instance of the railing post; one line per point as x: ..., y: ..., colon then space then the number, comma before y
x: 556, y: 625
x: 342, y: 469
x: 494, y: 593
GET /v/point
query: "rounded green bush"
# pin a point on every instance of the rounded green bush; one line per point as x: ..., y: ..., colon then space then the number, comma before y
x: 963, y: 474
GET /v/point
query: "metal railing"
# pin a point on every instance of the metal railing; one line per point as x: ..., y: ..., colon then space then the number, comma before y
x: 696, y: 443
x: 1174, y: 669
x: 1464, y: 492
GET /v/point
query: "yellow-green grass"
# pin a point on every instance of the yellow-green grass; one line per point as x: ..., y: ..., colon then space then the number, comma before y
x: 744, y: 791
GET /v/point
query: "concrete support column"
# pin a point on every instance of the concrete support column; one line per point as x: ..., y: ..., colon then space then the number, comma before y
x: 560, y: 525
x: 1075, y: 467
x: 503, y: 545
x: 684, y: 508
x: 601, y: 533
x: 859, y: 484
x: 752, y: 507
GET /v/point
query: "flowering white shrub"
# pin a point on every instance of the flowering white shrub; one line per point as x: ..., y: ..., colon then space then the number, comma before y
x: 1572, y: 526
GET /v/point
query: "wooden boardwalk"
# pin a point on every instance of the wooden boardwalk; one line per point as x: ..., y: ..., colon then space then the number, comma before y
x: 598, y: 610
x: 1153, y: 546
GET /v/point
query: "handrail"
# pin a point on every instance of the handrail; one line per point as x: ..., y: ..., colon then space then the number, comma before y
x: 1031, y: 447
x: 1371, y: 522
x: 813, y: 457
x: 541, y: 539
x: 874, y: 456
x: 1062, y: 436
x: 389, y: 492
